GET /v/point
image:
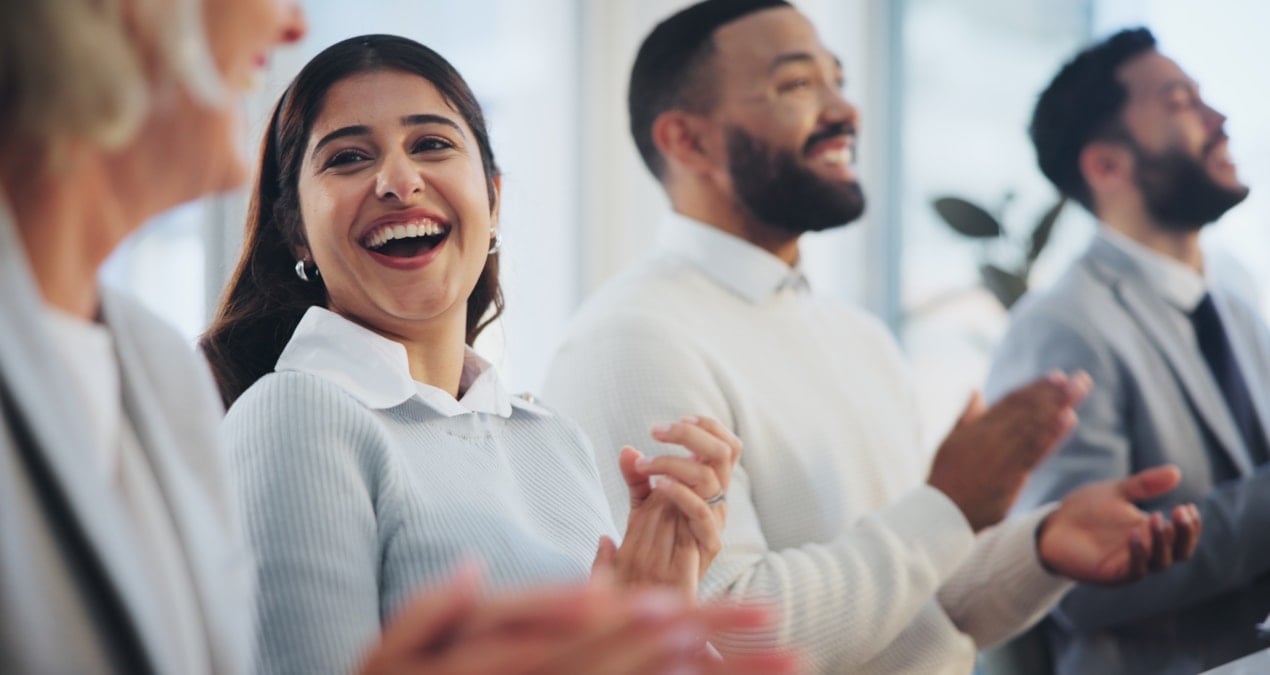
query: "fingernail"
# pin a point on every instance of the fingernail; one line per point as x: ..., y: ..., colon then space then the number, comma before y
x: 690, y: 419
x: 661, y: 428
x: 643, y: 462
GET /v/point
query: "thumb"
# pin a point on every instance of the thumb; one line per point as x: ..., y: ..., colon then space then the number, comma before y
x: 1150, y: 483
x: 636, y: 482
x: 604, y: 556
x: 975, y: 408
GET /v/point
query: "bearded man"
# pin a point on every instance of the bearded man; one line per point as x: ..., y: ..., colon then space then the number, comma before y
x: 879, y: 559
x: 1180, y: 365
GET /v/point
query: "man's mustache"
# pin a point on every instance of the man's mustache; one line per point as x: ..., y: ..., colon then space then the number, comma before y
x: 831, y: 131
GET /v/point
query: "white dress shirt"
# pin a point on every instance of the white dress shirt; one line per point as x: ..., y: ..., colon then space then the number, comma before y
x: 1177, y: 283
x: 376, y: 369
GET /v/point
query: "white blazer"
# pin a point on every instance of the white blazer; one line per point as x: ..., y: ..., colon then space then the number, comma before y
x: 73, y: 596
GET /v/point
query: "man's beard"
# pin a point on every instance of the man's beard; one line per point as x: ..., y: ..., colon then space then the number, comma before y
x: 1179, y: 192
x: 782, y: 193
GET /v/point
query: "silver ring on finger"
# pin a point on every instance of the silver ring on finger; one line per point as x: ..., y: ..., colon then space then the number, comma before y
x: 718, y: 499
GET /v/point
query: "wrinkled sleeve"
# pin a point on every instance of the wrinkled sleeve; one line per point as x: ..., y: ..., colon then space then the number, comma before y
x: 1226, y: 557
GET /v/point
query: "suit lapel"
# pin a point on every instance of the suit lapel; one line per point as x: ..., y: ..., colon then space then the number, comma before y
x: 33, y: 370
x: 1248, y: 340
x: 200, y: 529
x: 1151, y: 312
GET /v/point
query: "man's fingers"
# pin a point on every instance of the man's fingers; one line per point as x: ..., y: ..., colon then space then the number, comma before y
x: 1041, y: 437
x: 975, y: 408
x: 1187, y: 526
x: 1138, y: 556
x: 1162, y: 537
x: 1150, y: 483
x: 1078, y: 386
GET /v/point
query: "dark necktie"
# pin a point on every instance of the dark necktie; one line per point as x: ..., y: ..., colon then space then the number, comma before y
x: 1215, y: 345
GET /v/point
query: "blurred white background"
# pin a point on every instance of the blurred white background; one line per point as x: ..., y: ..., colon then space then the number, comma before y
x: 945, y: 88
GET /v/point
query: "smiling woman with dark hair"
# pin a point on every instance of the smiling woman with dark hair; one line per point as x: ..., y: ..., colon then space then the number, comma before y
x: 375, y: 450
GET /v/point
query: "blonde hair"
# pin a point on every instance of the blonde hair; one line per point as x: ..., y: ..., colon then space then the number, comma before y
x: 89, y: 70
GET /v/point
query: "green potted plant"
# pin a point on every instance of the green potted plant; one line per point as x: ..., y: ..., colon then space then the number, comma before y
x: 1005, y: 260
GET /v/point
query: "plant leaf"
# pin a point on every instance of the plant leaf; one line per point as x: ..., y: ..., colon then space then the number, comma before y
x: 1008, y: 287
x: 968, y: 219
x: 1044, y: 228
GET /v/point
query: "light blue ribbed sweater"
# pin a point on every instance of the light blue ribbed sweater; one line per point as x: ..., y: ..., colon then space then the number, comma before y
x: 351, y: 510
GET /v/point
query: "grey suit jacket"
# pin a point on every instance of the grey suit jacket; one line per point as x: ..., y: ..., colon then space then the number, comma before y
x: 73, y: 598
x: 1154, y: 402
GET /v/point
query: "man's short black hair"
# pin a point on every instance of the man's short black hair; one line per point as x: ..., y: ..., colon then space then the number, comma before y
x: 667, y: 70
x: 1081, y: 105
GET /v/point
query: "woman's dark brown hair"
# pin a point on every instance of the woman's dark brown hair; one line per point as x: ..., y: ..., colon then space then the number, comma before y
x: 265, y: 299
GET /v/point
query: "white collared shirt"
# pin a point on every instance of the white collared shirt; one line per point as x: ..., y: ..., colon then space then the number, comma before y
x: 362, y: 486
x: 1175, y: 281
x: 376, y: 370
x: 1180, y: 286
x: 746, y: 269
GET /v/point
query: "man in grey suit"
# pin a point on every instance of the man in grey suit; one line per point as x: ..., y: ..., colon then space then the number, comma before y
x: 1180, y: 365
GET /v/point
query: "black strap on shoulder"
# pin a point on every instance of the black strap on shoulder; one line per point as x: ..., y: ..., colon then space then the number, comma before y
x: 101, y: 598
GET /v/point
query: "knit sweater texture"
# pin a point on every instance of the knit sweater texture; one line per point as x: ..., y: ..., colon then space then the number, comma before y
x: 829, y: 514
x: 352, y: 509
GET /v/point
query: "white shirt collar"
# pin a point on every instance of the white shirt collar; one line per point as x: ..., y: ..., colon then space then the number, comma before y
x: 742, y: 267
x: 1176, y: 282
x: 376, y: 371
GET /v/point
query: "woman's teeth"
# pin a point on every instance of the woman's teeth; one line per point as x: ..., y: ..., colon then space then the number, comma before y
x: 388, y: 233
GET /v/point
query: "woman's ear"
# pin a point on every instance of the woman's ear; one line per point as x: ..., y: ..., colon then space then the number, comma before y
x: 498, y: 200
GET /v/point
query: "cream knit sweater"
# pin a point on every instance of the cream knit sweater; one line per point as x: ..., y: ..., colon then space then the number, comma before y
x: 829, y: 515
